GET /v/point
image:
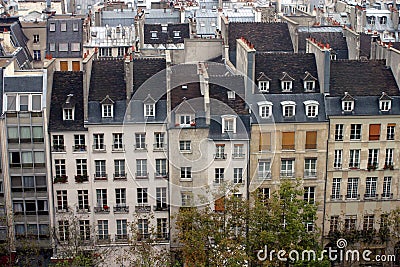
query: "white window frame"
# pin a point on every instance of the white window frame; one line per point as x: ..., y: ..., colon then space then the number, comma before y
x: 309, y: 86
x: 348, y: 105
x: 385, y: 105
x: 263, y: 86
x: 264, y: 169
x: 311, y: 107
x: 227, y: 122
x: 339, y: 130
x: 355, y: 131
x: 238, y: 176
x: 107, y: 110
x: 354, y: 158
x: 286, y: 86
x: 265, y: 109
x: 352, y: 188
x: 149, y: 110
x: 371, y: 187
x: 68, y: 114
x: 336, y: 183
x: 338, y: 159
x: 285, y: 108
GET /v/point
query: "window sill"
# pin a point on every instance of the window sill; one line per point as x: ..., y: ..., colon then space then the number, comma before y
x: 185, y: 151
x: 186, y: 180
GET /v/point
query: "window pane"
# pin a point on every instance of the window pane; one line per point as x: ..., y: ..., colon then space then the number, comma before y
x: 36, y: 102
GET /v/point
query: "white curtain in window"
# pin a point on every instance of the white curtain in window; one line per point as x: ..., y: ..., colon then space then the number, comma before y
x: 37, y: 131
x: 27, y: 157
x: 39, y: 157
x: 25, y: 132
x: 12, y: 132
x: 36, y: 102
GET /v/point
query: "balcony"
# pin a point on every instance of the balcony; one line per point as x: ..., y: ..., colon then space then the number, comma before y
x: 310, y: 173
x: 238, y: 155
x: 103, y: 239
x: 142, y: 237
x: 387, y: 196
x: 162, y: 236
x: 372, y: 166
x: 219, y: 156
x: 118, y: 148
x: 100, y: 177
x: 388, y: 167
x: 58, y: 148
x: 121, y: 208
x: 142, y: 208
x: 141, y: 147
x: 336, y: 197
x: 102, y: 209
x: 162, y: 175
x: 159, y: 147
x: 60, y: 179
x: 121, y: 238
x: 83, y: 209
x: 353, y: 197
x: 79, y: 148
x: 81, y: 178
x: 265, y: 175
x: 287, y: 174
x: 99, y: 148
x: 370, y: 196
x: 62, y: 209
x: 161, y: 207
x: 354, y: 166
x: 141, y: 175
x: 120, y: 176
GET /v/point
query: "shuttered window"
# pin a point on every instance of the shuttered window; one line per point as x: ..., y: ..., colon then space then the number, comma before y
x: 374, y: 131
x: 265, y: 142
x: 288, y: 141
x: 219, y: 204
x: 311, y: 140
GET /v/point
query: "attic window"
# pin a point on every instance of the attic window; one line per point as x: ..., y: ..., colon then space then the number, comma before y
x: 107, y: 110
x: 68, y: 114
x: 52, y: 27
x: 75, y: 27
x: 164, y: 28
x: 263, y: 86
x: 177, y: 34
x: 309, y: 86
x: 154, y: 35
x: 184, y: 87
x: 228, y: 123
x: 347, y: 105
x: 231, y: 95
x: 149, y: 110
x: 286, y: 86
x: 185, y: 120
x: 288, y: 108
x: 385, y: 102
x: 265, y: 109
x: 311, y: 107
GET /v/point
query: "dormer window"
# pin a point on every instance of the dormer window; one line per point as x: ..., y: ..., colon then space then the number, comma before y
x: 107, y: 110
x: 107, y: 107
x: 286, y: 82
x: 177, y: 34
x: 265, y: 109
x: 154, y: 35
x: 263, y: 83
x: 309, y: 82
x: 228, y: 124
x: 185, y: 120
x: 68, y: 114
x: 149, y: 106
x: 288, y: 109
x: 385, y: 102
x: 311, y: 107
x: 347, y: 102
x: 231, y: 95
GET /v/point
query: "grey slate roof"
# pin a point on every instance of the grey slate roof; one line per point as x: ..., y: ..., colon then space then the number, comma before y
x: 361, y: 78
x: 167, y: 37
x: 145, y: 68
x: 65, y: 83
x: 137, y: 112
x: 273, y: 65
x: 158, y: 16
x: 28, y: 84
x: 115, y: 18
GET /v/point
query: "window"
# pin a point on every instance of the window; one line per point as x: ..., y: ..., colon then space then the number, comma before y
x: 59, y: 165
x: 237, y: 175
x: 309, y: 86
x: 311, y: 140
x: 143, y: 229
x: 154, y: 35
x: 231, y: 95
x: 220, y: 151
x: 238, y: 151
x: 338, y: 155
x: 228, y: 124
x: 264, y: 169
x: 81, y: 167
x: 219, y: 204
x: 105, y: 52
x: 75, y: 26
x: 58, y: 143
x: 122, y: 230
x: 63, y: 230
x: 122, y: 51
x: 11, y: 102
x: 142, y: 196
x: 84, y: 230
x: 354, y: 160
x: 390, y: 131
x: 185, y: 146
x: 373, y: 155
x: 37, y: 55
x: 374, y: 132
x: 79, y: 142
x: 186, y: 172
x: 141, y: 168
x: 310, y: 167
x: 288, y: 140
x: 185, y: 120
x: 107, y: 110
x: 102, y: 230
x: 336, y: 188
x: 352, y: 188
x: 98, y: 142
x: 62, y: 200
x: 385, y: 105
x: 159, y: 141
x: 140, y: 139
x: 347, y: 106
x: 311, y: 111
x: 265, y: 111
x: 368, y: 224
x: 117, y: 141
x: 287, y: 167
x: 161, y: 198
x: 355, y: 132
x: 309, y: 194
x: 27, y: 159
x: 75, y: 47
x: 339, y: 132
x: 389, y: 158
x: 263, y: 194
x: 37, y: 132
x: 288, y: 110
x: 162, y: 228
x: 15, y: 159
x: 23, y: 102
x: 286, y: 86
x: 100, y: 169
x: 334, y: 224
x: 36, y: 102
x: 265, y: 142
x: 149, y: 110
x: 52, y: 47
x: 12, y: 134
x: 161, y: 167
x: 370, y: 187
x: 263, y: 86
x: 219, y: 175
x: 186, y: 198
x: 387, y: 187
x: 36, y: 38
x: 101, y: 196
x: 350, y: 223
x: 68, y: 114
x: 83, y: 199
x: 63, y: 47
x: 177, y: 34
x: 63, y: 26
x: 52, y: 27
x: 120, y: 197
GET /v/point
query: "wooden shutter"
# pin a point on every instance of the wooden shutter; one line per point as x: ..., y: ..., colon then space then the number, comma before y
x: 392, y: 124
x: 219, y: 204
x: 311, y: 140
x: 265, y: 141
x: 63, y: 65
x: 288, y: 140
x: 374, y: 131
x: 76, y: 66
